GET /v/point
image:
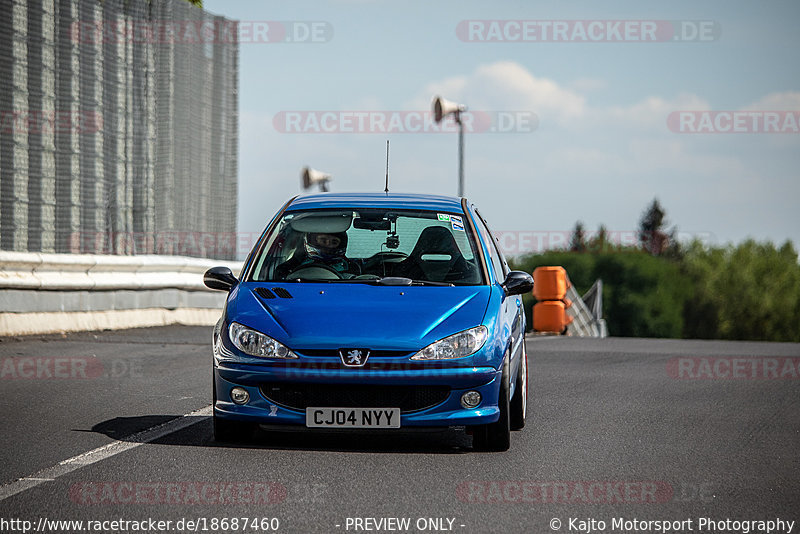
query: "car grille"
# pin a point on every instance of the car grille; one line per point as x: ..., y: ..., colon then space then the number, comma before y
x: 407, y: 398
x: 327, y: 353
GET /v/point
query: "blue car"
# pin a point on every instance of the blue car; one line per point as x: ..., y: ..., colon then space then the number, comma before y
x: 372, y: 311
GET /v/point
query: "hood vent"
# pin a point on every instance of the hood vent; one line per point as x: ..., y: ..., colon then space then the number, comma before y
x: 282, y: 293
x: 264, y: 293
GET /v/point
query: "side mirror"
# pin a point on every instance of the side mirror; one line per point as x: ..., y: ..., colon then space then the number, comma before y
x: 518, y: 283
x: 219, y: 278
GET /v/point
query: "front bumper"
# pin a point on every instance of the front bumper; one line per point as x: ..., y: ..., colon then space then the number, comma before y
x: 260, y: 409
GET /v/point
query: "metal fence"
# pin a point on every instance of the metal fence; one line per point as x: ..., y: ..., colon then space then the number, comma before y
x: 586, y: 312
x: 118, y: 128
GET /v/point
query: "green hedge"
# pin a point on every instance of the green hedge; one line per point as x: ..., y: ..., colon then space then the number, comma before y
x: 751, y: 291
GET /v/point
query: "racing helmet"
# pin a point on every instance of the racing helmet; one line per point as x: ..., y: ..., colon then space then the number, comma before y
x: 326, y: 246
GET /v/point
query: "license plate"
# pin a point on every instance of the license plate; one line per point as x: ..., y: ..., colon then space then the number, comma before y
x: 353, y: 417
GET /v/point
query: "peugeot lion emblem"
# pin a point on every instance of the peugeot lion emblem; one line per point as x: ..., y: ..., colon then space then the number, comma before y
x: 354, y: 357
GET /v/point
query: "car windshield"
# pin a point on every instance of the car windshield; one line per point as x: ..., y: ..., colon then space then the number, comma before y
x: 370, y: 246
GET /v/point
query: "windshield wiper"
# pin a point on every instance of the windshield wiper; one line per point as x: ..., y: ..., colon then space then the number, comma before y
x: 331, y: 280
x: 385, y: 281
x: 431, y: 283
x: 393, y: 281
x: 402, y: 281
x: 308, y: 280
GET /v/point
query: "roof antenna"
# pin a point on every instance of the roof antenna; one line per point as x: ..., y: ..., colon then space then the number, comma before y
x: 387, y: 167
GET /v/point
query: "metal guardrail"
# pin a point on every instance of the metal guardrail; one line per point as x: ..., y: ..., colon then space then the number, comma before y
x: 586, y: 312
x: 31, y: 270
x: 45, y: 293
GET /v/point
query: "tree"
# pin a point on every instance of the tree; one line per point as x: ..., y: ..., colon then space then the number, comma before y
x: 651, y: 234
x: 599, y: 242
x: 577, y: 242
x: 674, y: 249
x: 643, y: 295
x: 747, y: 292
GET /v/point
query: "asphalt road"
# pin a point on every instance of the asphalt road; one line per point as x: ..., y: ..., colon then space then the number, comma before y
x: 615, y: 430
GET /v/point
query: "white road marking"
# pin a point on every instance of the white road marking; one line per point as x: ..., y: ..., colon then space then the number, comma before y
x: 102, y: 453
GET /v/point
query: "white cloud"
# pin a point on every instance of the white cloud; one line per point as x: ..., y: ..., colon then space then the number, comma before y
x: 648, y: 114
x: 506, y: 86
x: 587, y: 85
x: 787, y: 101
x: 626, y: 143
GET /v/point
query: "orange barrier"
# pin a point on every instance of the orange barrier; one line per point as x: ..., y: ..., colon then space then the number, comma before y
x: 549, y: 316
x: 550, y: 283
x: 550, y: 286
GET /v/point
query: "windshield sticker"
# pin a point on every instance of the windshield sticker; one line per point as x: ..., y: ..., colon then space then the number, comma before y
x: 457, y: 226
x: 456, y: 219
x: 443, y: 216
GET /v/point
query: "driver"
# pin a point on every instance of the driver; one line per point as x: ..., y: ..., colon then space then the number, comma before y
x: 325, y: 248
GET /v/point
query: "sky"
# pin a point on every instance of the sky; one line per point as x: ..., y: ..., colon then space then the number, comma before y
x: 572, y: 116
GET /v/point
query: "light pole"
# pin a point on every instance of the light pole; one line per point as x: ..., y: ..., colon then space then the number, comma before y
x: 441, y: 109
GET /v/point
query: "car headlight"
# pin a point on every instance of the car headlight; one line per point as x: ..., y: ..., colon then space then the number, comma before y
x: 255, y: 343
x: 456, y: 346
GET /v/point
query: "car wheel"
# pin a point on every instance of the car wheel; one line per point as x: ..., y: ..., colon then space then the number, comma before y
x: 496, y: 436
x: 519, y: 404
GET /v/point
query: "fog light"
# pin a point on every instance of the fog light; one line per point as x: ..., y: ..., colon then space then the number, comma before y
x: 470, y: 399
x: 240, y: 395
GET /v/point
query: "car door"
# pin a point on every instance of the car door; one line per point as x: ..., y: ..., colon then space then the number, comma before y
x: 512, y: 318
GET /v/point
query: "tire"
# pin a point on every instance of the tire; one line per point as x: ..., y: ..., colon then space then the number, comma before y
x: 226, y: 430
x: 519, y: 404
x: 496, y: 437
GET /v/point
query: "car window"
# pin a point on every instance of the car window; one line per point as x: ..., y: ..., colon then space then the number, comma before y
x: 362, y: 244
x: 498, y: 261
x: 365, y: 244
